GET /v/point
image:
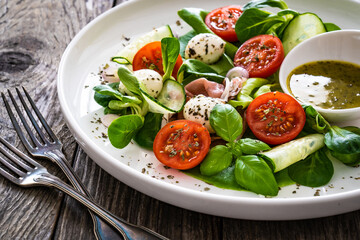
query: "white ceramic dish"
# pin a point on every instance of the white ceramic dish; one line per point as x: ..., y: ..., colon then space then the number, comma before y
x: 138, y: 168
x: 340, y: 45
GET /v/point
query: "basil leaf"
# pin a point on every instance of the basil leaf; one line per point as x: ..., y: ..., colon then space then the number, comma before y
x: 146, y: 135
x: 170, y: 49
x: 252, y: 173
x: 343, y: 141
x: 226, y: 122
x: 218, y: 159
x: 224, y: 179
x: 251, y: 146
x: 123, y: 129
x: 314, y: 171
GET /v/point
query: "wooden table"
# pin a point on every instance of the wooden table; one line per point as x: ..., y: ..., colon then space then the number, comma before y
x: 33, y: 36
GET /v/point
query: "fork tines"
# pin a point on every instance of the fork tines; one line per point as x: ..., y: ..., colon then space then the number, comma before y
x: 31, y: 111
x: 12, y: 160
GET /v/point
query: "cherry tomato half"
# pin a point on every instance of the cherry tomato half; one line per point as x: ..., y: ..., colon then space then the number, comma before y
x: 149, y: 57
x: 261, y: 56
x: 222, y: 21
x: 275, y: 117
x: 182, y: 144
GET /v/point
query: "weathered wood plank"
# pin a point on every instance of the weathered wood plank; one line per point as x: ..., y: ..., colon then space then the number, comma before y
x: 33, y: 36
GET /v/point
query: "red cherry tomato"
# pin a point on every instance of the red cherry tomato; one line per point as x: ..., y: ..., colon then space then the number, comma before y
x: 182, y: 144
x: 222, y: 22
x: 261, y: 56
x: 275, y: 117
x: 149, y: 57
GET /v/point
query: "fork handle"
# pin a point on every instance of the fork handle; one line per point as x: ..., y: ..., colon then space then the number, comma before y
x: 129, y: 231
x: 102, y: 230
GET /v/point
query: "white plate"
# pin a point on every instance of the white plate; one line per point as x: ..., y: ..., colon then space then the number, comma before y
x: 138, y: 168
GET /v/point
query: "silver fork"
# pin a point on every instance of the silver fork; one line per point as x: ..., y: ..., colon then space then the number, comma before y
x: 52, y: 149
x: 24, y: 171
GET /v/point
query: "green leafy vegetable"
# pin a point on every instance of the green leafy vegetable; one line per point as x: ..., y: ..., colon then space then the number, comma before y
x: 223, y: 179
x: 108, y: 90
x: 123, y: 129
x: 129, y: 80
x: 146, y: 135
x: 253, y: 22
x: 266, y: 3
x: 184, y: 39
x: 267, y: 88
x: 192, y: 69
x: 218, y: 159
x: 246, y: 95
x: 252, y: 173
x: 226, y: 122
x: 170, y: 49
x: 223, y: 65
x: 283, y: 179
x: 251, y: 146
x: 342, y: 141
x: 331, y: 27
x: 109, y: 97
x: 350, y: 159
x: 314, y: 171
x: 104, y: 99
x: 314, y: 121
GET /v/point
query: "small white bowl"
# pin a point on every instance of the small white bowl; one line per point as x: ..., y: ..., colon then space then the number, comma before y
x: 343, y: 45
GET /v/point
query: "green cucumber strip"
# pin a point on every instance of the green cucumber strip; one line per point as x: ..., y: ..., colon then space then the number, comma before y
x: 302, y: 27
x: 291, y: 152
x: 170, y: 100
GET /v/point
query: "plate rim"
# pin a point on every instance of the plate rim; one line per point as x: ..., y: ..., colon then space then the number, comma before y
x: 95, y: 152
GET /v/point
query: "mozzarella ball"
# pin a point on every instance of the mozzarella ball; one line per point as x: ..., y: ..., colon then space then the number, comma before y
x: 151, y: 80
x: 205, y: 47
x: 198, y: 109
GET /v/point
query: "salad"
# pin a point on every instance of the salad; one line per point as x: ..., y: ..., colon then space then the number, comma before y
x: 208, y: 103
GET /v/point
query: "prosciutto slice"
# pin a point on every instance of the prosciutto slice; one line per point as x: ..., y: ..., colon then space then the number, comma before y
x: 204, y: 87
x: 228, y: 89
x: 232, y: 87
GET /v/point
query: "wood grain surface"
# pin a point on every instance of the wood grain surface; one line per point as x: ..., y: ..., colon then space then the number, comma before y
x: 33, y: 36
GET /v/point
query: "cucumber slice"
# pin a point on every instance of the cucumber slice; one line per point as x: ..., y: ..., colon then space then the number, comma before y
x: 170, y: 100
x: 291, y: 152
x: 126, y: 55
x: 302, y: 27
